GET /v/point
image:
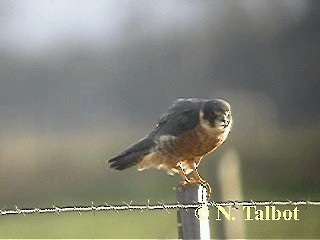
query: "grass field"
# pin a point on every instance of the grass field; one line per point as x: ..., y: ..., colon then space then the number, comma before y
x: 77, y: 174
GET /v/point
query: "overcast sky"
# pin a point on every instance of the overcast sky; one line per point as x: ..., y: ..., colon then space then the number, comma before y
x: 37, y: 25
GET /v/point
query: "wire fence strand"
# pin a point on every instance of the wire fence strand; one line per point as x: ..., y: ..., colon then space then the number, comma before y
x: 160, y: 206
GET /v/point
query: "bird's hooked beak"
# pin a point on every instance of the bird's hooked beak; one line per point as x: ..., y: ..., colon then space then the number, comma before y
x: 224, y: 120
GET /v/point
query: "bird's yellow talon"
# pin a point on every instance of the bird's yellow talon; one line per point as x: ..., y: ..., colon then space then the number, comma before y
x: 207, y: 186
x: 203, y: 183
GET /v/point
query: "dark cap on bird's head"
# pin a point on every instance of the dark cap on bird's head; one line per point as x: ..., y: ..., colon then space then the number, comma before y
x: 216, y: 114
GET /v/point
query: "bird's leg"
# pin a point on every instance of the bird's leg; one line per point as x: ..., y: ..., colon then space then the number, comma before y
x: 197, y: 175
x: 183, y: 175
x: 199, y: 179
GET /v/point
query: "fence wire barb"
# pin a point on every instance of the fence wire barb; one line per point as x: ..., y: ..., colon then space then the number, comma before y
x: 160, y: 206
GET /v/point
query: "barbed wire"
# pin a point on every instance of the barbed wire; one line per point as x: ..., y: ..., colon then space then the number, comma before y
x: 160, y: 206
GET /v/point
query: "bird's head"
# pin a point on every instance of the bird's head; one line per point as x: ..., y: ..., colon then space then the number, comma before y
x: 216, y: 115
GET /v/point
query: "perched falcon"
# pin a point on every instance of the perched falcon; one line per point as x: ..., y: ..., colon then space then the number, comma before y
x: 191, y: 129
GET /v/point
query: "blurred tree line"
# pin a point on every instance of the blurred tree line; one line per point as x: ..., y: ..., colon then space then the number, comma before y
x: 277, y: 56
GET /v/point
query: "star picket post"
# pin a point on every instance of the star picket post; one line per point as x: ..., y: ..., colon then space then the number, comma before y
x: 193, y: 223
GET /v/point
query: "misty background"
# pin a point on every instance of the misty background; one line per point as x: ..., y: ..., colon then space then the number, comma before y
x: 81, y: 80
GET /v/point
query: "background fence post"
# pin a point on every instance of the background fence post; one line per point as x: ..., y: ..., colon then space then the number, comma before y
x: 229, y: 174
x: 193, y: 223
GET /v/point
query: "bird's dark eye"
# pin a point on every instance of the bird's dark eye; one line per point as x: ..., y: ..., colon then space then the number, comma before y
x: 212, y: 113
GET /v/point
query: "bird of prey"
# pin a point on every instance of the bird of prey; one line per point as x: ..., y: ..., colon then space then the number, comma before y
x: 191, y: 129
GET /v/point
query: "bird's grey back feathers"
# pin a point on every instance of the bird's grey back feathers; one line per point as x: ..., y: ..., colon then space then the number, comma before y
x: 182, y: 116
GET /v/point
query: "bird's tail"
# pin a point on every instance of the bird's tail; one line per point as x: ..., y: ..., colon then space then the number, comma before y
x: 133, y: 155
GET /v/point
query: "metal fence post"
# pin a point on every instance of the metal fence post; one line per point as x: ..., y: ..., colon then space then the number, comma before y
x: 193, y: 223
